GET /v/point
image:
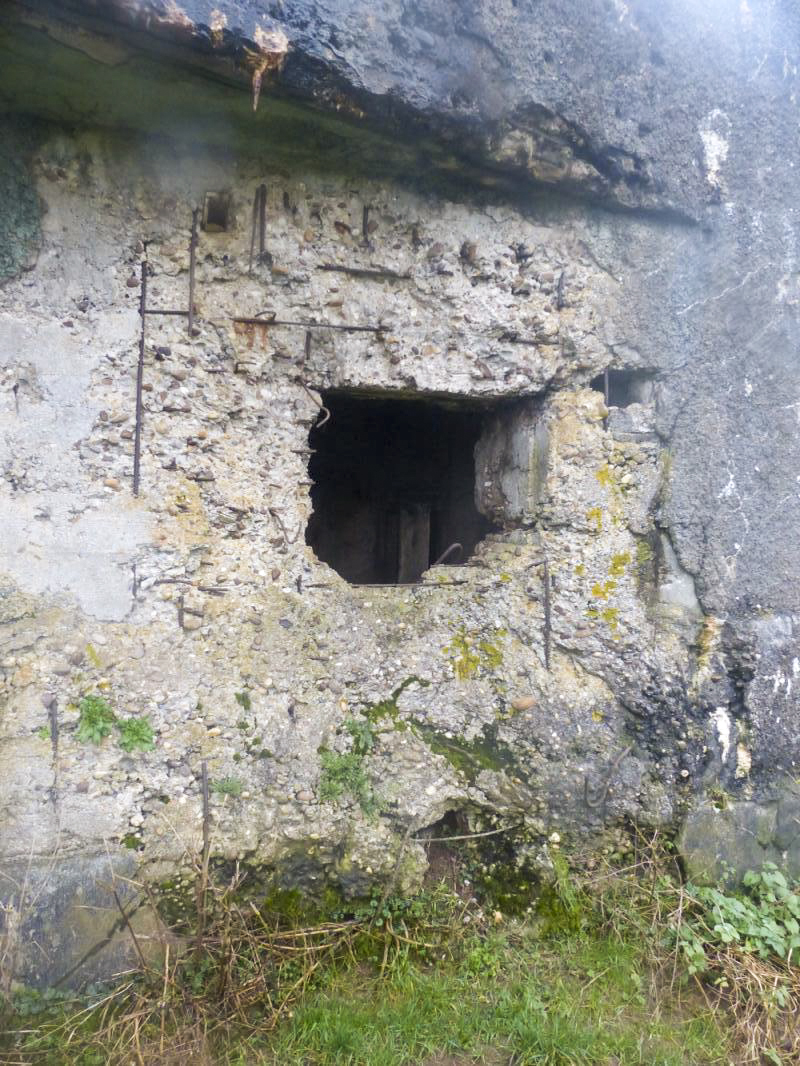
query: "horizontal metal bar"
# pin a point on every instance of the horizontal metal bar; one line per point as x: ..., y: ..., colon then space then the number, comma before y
x: 309, y: 325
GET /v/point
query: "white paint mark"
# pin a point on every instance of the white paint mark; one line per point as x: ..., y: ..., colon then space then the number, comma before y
x: 722, y: 724
x: 714, y: 133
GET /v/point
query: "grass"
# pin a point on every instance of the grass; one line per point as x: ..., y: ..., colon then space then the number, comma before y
x: 228, y: 786
x: 597, y: 974
x: 565, y: 1000
x: 343, y: 773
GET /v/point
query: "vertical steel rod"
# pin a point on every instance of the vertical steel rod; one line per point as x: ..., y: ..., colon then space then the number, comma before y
x: 137, y: 439
x: 256, y: 197
x: 192, y: 264
x: 262, y: 222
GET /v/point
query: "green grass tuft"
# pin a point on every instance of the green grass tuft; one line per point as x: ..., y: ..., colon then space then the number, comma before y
x: 227, y: 786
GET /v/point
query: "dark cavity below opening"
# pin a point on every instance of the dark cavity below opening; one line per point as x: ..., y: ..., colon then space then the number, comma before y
x: 626, y: 386
x: 394, y: 486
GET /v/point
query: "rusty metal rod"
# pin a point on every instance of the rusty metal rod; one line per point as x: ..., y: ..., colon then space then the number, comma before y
x: 456, y: 547
x: 364, y: 272
x: 262, y: 222
x: 137, y: 438
x: 309, y: 325
x: 403, y: 584
x: 365, y: 225
x: 272, y: 321
x: 256, y: 196
x: 601, y: 794
x: 322, y: 408
x: 192, y: 265
x: 510, y: 337
x: 52, y: 711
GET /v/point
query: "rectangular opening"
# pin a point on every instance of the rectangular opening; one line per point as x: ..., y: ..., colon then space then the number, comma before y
x: 216, y: 212
x: 626, y: 386
x: 394, y: 486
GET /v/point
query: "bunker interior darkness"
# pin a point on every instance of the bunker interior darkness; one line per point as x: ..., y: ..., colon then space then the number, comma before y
x: 394, y: 486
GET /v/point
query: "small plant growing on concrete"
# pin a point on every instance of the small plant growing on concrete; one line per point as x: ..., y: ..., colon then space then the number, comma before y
x: 136, y: 734
x: 343, y: 773
x: 227, y: 786
x: 95, y: 720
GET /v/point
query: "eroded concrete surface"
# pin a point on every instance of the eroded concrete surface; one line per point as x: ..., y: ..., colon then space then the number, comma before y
x: 623, y: 650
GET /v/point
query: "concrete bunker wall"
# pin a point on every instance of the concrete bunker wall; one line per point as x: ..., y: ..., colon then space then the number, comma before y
x: 494, y: 689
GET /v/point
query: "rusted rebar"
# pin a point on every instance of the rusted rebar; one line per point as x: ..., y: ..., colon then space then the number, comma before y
x: 456, y: 547
x: 262, y: 222
x: 255, y: 321
x: 192, y: 266
x: 364, y: 272
x: 365, y: 225
x: 254, y: 226
x: 137, y: 435
x: 601, y: 794
x: 52, y: 712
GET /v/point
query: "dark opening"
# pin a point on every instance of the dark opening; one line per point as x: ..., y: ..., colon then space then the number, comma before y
x: 216, y: 212
x: 626, y: 387
x: 394, y: 487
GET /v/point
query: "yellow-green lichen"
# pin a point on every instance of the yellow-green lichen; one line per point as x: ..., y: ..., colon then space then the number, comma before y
x: 609, y: 615
x: 604, y: 476
x: 463, y: 657
x: 619, y: 562
x: 468, y: 653
x: 594, y: 516
x: 493, y: 657
x: 602, y: 590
